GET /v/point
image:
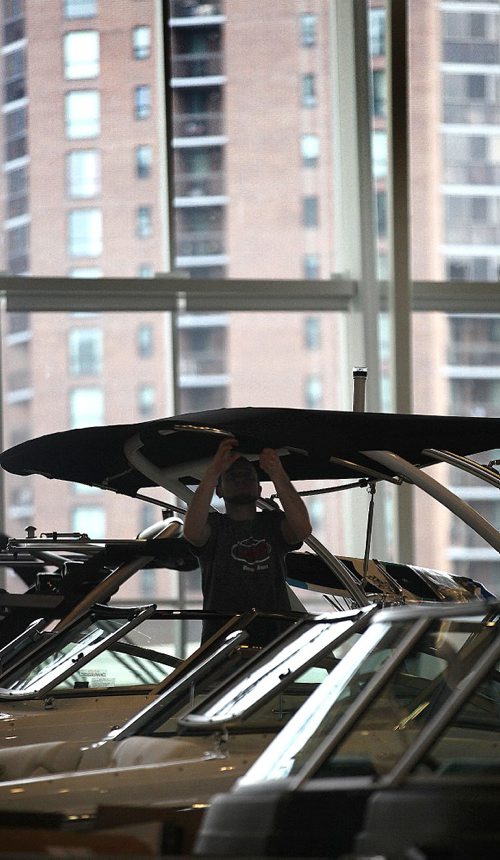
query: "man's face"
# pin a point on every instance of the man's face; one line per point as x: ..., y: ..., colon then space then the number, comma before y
x: 239, y: 484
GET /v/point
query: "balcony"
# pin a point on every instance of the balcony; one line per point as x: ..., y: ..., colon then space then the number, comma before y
x: 194, y: 10
x: 471, y: 113
x: 471, y: 52
x: 472, y: 174
x: 199, y: 65
x: 198, y: 125
x: 475, y: 354
x: 198, y: 244
x: 202, y: 363
x: 206, y: 185
x: 473, y: 234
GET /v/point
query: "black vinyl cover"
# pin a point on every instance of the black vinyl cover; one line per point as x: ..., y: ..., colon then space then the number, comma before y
x: 95, y: 455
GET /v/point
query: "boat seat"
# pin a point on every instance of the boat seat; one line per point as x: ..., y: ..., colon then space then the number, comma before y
x: 440, y: 819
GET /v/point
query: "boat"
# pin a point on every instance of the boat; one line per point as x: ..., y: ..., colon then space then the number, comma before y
x: 352, y: 448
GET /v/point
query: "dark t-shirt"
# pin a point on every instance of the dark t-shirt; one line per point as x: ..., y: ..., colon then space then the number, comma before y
x: 243, y: 564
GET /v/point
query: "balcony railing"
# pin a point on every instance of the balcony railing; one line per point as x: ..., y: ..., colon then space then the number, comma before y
x: 471, y: 112
x: 471, y: 52
x: 472, y: 174
x: 202, y: 363
x: 198, y: 65
x: 475, y: 355
x: 197, y: 244
x: 198, y: 124
x: 473, y: 234
x: 208, y: 185
x: 195, y: 8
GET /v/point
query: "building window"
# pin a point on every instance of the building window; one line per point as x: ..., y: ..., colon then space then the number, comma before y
x: 15, y: 126
x: 86, y: 406
x: 85, y: 351
x: 85, y: 233
x: 142, y: 101
x: 476, y: 87
x: 83, y: 171
x: 146, y: 399
x: 85, y: 272
x: 311, y: 267
x: 82, y: 114
x: 308, y: 29
x: 145, y: 342
x: 89, y: 520
x: 143, y: 226
x: 379, y: 93
x: 309, y: 147
x: 141, y: 42
x: 15, y: 79
x: 457, y: 271
x: 479, y: 210
x: 312, y: 333
x: 379, y: 154
x: 81, y: 55
x: 377, y: 29
x: 18, y: 249
x: 13, y: 21
x: 310, y: 210
x: 381, y: 203
x: 316, y: 508
x: 314, y: 392
x: 308, y: 90
x: 143, y: 161
x: 145, y: 270
x: 17, y: 192
x: 80, y: 8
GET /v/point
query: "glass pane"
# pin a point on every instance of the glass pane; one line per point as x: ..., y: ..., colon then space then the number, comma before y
x: 66, y: 371
x: 416, y: 691
x: 248, y: 144
x: 455, y: 157
x: 455, y: 363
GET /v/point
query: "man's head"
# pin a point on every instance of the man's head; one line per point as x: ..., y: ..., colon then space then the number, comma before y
x: 239, y: 484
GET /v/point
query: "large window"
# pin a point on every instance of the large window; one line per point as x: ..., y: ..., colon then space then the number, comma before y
x: 82, y: 114
x: 85, y: 351
x: 250, y: 187
x: 84, y: 173
x: 85, y: 233
x: 81, y: 54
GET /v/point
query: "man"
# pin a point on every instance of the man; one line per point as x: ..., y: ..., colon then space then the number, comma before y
x: 242, y: 552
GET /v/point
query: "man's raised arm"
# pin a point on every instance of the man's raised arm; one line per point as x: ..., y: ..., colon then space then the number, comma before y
x: 296, y: 525
x: 196, y: 527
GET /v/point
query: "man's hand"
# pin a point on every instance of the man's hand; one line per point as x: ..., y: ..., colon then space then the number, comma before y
x: 270, y: 462
x: 224, y: 457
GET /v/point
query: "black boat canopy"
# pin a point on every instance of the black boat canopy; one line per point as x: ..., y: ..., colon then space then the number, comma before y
x: 180, y: 445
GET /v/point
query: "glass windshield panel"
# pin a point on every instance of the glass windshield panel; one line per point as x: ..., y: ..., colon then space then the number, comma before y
x: 147, y: 654
x: 311, y: 649
x: 209, y: 677
x: 68, y: 649
x: 469, y: 746
x: 286, y: 755
x: 415, y: 692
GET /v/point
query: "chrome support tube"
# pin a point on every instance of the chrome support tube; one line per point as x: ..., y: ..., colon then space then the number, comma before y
x: 433, y: 488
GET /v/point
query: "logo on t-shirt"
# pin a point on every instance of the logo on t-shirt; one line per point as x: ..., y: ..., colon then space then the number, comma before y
x: 251, y: 551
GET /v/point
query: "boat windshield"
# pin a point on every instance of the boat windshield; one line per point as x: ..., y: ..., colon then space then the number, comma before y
x: 337, y: 734
x: 105, y: 653
x: 263, y: 696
